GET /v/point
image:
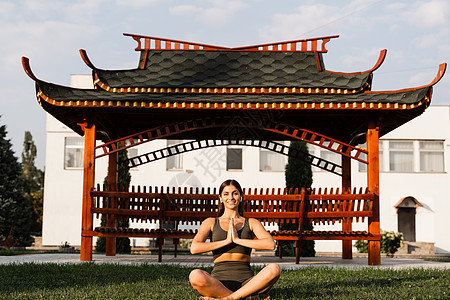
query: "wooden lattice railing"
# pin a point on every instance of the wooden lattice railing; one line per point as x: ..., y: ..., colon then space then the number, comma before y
x: 174, y: 207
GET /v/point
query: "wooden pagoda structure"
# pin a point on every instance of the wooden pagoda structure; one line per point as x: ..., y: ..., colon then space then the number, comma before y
x: 268, y: 92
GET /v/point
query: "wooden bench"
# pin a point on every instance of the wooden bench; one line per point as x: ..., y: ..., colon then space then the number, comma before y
x: 317, y: 208
x: 168, y: 210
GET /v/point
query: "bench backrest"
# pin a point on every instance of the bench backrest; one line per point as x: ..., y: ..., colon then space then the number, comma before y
x: 190, y: 206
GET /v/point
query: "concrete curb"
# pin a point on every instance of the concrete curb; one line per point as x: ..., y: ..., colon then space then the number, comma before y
x: 206, y: 260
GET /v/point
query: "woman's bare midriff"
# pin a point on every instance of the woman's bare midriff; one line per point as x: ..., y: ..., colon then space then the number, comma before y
x: 232, y: 257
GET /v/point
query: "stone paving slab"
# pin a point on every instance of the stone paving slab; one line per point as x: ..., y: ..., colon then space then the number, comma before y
x: 206, y: 260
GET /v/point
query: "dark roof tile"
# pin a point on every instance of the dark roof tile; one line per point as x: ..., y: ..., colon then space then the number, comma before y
x: 230, y: 69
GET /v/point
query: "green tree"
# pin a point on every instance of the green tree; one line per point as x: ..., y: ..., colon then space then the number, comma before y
x: 15, y: 209
x: 298, y: 174
x: 33, y: 180
x: 123, y: 181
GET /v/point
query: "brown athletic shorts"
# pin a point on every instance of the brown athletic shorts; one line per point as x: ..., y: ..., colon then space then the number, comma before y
x: 232, y: 274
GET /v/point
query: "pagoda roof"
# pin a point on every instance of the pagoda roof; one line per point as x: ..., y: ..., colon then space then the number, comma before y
x: 291, y: 64
x: 179, y: 81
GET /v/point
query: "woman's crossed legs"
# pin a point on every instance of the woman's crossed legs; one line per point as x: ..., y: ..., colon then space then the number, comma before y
x: 212, y: 288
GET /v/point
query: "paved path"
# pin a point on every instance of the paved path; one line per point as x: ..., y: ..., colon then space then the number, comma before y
x: 205, y: 260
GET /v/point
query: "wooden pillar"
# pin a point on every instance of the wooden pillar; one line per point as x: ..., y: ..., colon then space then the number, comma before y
x: 373, y: 182
x: 112, y: 202
x: 88, y: 184
x: 346, y: 188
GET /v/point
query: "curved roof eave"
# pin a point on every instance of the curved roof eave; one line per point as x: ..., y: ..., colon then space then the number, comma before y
x: 62, y: 96
x: 88, y: 62
x: 66, y: 96
x: 440, y: 73
x: 379, y: 62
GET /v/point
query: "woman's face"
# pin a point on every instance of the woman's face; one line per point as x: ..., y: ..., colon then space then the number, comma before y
x: 230, y: 197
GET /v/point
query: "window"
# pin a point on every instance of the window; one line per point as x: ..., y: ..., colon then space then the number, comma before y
x: 410, y: 156
x: 363, y: 166
x: 174, y: 162
x: 73, y: 152
x: 234, y: 159
x: 401, y: 156
x: 271, y: 161
x: 431, y: 156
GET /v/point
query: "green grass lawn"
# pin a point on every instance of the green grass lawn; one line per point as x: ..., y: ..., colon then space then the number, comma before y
x: 113, y: 281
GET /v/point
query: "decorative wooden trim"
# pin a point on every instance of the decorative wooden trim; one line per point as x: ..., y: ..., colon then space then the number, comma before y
x: 227, y: 90
x: 146, y: 43
x: 280, y: 128
x: 155, y: 43
x: 302, y: 45
x: 237, y: 105
x: 145, y: 158
x: 86, y: 59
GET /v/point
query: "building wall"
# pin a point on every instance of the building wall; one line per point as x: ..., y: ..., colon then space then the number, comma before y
x: 432, y: 190
x: 62, y: 190
x: 207, y: 168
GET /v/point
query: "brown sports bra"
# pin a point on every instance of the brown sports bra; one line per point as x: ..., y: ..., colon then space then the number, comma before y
x: 219, y: 234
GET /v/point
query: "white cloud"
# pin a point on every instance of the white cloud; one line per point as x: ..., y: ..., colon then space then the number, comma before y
x: 424, y: 41
x: 83, y: 10
x: 41, y: 40
x: 311, y: 20
x: 136, y: 4
x: 396, y: 6
x: 429, y: 14
x: 301, y: 21
x: 6, y: 8
x: 215, y: 13
x: 427, y: 22
x: 42, y: 5
x: 421, y: 78
x: 365, y: 57
x: 180, y: 10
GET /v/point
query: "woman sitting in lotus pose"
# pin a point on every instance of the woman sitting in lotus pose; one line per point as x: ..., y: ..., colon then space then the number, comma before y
x: 232, y: 238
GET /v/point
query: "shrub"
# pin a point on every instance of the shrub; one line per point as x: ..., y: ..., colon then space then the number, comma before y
x: 390, y: 242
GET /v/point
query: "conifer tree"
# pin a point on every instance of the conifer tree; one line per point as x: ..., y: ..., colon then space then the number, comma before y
x: 33, y: 179
x: 15, y: 209
x: 298, y: 174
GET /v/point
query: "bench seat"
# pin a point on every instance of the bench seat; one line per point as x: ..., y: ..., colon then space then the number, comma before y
x: 141, y: 232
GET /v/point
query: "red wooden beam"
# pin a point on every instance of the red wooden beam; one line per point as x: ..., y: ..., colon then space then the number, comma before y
x: 88, y: 184
x: 373, y: 185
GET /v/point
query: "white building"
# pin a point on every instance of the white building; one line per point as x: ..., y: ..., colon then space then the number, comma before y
x: 414, y: 164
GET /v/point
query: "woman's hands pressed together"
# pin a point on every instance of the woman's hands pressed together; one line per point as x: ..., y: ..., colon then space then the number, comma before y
x: 233, y: 232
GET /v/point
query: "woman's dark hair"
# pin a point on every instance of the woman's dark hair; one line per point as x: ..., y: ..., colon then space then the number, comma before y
x: 241, y: 202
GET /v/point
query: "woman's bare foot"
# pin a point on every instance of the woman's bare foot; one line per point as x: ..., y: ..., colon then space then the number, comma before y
x: 255, y: 297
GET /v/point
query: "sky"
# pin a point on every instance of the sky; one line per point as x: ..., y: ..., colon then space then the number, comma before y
x: 50, y: 33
